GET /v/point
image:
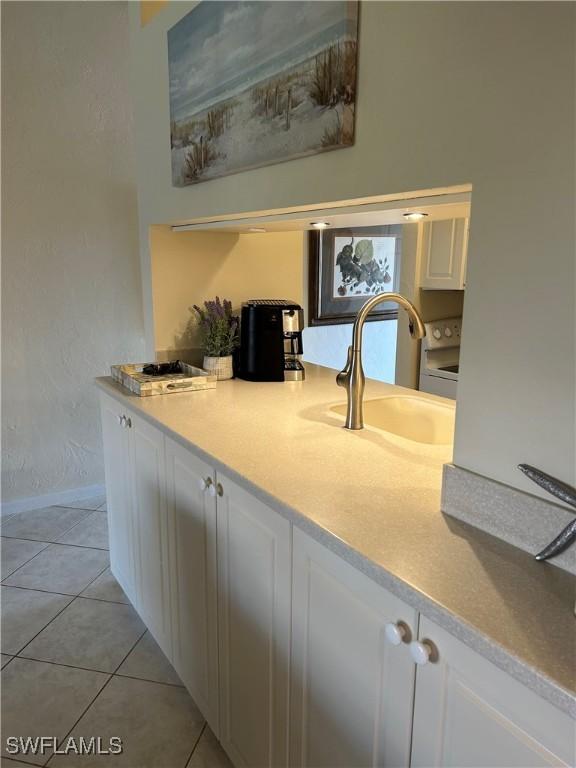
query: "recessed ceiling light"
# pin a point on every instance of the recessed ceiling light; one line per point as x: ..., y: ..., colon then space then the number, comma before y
x: 319, y: 224
x: 256, y: 229
x: 415, y: 215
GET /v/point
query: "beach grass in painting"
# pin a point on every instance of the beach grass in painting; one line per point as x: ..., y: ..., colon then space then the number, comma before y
x: 258, y: 82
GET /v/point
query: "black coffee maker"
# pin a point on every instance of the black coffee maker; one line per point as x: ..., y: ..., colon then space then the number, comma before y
x: 271, y: 340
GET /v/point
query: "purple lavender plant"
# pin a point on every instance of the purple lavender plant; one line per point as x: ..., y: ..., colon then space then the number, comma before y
x: 218, y: 326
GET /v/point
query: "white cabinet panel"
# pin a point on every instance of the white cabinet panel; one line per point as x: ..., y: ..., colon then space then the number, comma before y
x: 444, y: 248
x: 119, y: 495
x: 470, y: 713
x: 352, y: 691
x: 192, y: 523
x: 254, y: 574
x: 153, y: 592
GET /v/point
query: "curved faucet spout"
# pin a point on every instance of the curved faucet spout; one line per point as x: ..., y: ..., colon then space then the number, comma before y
x: 352, y: 376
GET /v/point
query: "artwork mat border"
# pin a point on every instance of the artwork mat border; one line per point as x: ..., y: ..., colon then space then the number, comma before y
x: 316, y: 243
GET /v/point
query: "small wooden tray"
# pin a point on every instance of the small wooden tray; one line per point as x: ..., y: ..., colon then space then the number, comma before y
x: 130, y: 376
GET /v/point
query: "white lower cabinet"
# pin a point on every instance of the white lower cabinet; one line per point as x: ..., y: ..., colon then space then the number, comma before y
x: 470, y: 713
x: 294, y: 657
x: 352, y: 690
x: 254, y: 574
x: 119, y: 497
x: 153, y: 566
x: 191, y: 512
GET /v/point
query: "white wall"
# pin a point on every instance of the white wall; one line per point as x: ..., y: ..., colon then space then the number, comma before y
x: 448, y: 93
x: 328, y: 345
x: 71, y: 301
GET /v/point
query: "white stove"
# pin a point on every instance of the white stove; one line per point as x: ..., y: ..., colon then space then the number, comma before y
x: 440, y: 358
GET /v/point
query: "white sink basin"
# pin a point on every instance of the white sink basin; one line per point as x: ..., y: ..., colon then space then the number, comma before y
x: 414, y: 418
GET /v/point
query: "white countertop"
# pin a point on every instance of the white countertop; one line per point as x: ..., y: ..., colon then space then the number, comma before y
x: 374, y: 498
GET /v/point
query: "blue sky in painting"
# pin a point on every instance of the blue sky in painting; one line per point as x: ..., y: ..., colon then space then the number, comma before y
x: 224, y: 46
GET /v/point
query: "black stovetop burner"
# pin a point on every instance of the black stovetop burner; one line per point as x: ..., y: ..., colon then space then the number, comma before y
x: 163, y: 369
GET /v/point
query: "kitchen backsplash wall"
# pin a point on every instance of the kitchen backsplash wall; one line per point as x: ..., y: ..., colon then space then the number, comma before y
x: 189, y: 267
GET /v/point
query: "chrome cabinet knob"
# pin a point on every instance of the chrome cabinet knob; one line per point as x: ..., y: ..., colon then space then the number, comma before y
x: 128, y: 422
x: 220, y: 489
x: 395, y: 633
x: 121, y: 420
x: 423, y: 652
x: 211, y: 489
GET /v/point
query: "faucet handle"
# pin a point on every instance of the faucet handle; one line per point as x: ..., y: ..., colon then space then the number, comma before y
x: 343, y: 376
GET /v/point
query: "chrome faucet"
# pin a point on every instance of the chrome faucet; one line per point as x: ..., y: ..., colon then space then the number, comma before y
x: 352, y: 377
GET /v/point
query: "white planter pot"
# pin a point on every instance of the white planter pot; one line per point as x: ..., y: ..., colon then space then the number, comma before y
x: 221, y: 366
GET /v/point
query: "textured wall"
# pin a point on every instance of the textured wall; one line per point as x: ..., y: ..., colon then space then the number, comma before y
x: 71, y: 300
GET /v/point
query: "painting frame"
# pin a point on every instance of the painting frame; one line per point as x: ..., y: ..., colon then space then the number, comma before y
x: 203, y: 143
x: 323, y: 308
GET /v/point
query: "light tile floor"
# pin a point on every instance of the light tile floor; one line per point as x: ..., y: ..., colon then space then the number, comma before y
x: 76, y: 658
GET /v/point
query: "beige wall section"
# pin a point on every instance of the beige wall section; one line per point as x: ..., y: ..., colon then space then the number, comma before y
x: 71, y: 303
x: 448, y: 93
x: 189, y: 267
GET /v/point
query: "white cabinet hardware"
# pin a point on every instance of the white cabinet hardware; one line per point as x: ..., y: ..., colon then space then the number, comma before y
x: 396, y: 633
x: 423, y: 652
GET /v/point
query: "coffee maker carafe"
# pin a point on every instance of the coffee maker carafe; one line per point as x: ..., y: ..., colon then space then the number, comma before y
x: 271, y: 340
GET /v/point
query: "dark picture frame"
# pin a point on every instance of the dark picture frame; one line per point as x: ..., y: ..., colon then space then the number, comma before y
x: 324, y: 273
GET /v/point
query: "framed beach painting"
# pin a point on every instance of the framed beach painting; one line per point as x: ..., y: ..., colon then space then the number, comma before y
x: 257, y: 82
x: 347, y: 267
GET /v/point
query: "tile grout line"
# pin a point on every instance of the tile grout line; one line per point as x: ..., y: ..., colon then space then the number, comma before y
x: 74, y: 597
x: 106, y: 684
x: 196, y: 743
x: 60, y: 741
x: 64, y: 594
x: 63, y: 533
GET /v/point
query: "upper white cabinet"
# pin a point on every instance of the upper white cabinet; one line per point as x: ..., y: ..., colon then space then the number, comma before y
x: 470, y: 713
x: 254, y: 574
x: 352, y: 688
x: 443, y: 255
x: 191, y: 513
x: 119, y: 496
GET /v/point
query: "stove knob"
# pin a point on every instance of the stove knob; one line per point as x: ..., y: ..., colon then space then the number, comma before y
x: 447, y: 332
x: 437, y: 333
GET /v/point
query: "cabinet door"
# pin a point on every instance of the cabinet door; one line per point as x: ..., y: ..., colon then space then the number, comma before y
x: 254, y: 628
x: 470, y: 713
x: 153, y: 590
x: 444, y: 253
x: 352, y: 691
x: 119, y: 495
x: 192, y: 524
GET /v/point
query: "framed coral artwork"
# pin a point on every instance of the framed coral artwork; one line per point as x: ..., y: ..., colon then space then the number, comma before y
x: 347, y: 267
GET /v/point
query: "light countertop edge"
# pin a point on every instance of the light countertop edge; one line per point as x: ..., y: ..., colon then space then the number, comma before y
x: 558, y: 690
